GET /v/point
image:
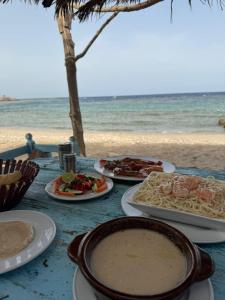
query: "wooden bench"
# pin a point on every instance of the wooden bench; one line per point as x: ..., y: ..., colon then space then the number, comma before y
x: 36, y: 150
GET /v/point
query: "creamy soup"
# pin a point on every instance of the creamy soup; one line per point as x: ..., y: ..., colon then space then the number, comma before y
x: 138, y: 261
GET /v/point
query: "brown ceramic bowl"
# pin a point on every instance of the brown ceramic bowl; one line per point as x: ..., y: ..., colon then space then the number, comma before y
x: 199, y: 264
x: 11, y: 195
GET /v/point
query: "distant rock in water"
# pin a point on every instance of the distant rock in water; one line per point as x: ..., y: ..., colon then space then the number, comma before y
x: 5, y: 98
x: 221, y: 122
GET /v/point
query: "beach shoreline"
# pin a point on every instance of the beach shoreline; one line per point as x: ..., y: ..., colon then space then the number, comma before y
x: 202, y: 150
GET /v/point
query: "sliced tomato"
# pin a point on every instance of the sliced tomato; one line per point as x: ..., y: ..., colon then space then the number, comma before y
x: 101, y: 188
x: 58, y: 180
x: 81, y: 176
x: 56, y: 185
x: 87, y: 185
x: 79, y: 187
x: 102, y: 162
x: 100, y: 181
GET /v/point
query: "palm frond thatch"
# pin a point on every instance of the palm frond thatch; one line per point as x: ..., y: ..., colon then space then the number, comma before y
x: 92, y: 6
x: 87, y: 7
x: 47, y: 3
x: 83, y: 9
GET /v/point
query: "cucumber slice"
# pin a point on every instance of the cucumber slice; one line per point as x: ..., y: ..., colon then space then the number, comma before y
x: 94, y: 187
x: 62, y: 187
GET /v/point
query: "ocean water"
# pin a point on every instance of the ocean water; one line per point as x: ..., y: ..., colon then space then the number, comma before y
x: 149, y: 113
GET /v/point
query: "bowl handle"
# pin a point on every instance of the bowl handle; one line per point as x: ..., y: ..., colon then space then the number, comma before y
x: 207, y: 266
x: 73, y: 249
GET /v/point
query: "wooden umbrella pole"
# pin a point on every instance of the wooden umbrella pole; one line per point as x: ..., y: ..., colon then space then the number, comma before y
x: 64, y: 25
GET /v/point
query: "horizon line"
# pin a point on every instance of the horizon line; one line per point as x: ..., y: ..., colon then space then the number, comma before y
x: 128, y: 95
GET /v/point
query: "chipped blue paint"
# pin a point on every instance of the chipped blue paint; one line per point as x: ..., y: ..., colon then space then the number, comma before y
x: 49, y: 276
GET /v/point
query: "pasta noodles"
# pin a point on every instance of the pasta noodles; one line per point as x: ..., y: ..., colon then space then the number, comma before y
x: 193, y: 194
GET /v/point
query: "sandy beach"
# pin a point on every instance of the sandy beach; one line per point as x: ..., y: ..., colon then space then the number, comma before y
x: 202, y: 150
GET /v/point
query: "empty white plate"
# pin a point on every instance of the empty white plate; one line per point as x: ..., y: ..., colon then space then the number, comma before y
x: 44, y: 232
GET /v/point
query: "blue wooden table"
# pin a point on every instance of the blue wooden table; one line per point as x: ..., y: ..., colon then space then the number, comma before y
x: 50, y: 275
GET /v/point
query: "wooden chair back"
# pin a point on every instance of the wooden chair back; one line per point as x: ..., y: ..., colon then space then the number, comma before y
x: 34, y: 150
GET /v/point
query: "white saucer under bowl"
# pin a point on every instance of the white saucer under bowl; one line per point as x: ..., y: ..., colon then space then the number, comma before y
x: 83, y: 291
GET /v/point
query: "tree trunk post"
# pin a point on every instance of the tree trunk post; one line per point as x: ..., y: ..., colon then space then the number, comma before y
x: 64, y: 25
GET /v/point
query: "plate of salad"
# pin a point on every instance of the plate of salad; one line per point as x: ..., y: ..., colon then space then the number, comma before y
x: 78, y: 186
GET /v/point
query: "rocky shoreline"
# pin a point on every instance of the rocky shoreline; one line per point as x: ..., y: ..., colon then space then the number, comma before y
x: 221, y: 122
x: 6, y: 98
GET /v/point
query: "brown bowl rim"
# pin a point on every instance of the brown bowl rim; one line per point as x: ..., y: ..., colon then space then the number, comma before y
x: 182, y: 286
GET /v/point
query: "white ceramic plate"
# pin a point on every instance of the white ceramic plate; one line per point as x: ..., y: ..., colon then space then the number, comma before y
x: 167, y: 167
x: 174, y: 215
x: 194, y: 233
x: 83, y: 291
x: 44, y: 233
x: 83, y: 197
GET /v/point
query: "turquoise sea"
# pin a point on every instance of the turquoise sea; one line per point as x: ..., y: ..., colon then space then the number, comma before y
x: 150, y: 113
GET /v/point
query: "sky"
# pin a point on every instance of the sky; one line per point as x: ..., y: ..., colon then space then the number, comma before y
x: 138, y: 52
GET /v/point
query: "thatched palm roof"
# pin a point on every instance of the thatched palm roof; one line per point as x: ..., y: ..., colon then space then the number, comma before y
x: 87, y: 8
x: 84, y: 8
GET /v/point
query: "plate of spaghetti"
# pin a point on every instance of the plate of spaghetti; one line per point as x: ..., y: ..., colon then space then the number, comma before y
x: 132, y: 168
x: 187, y: 199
